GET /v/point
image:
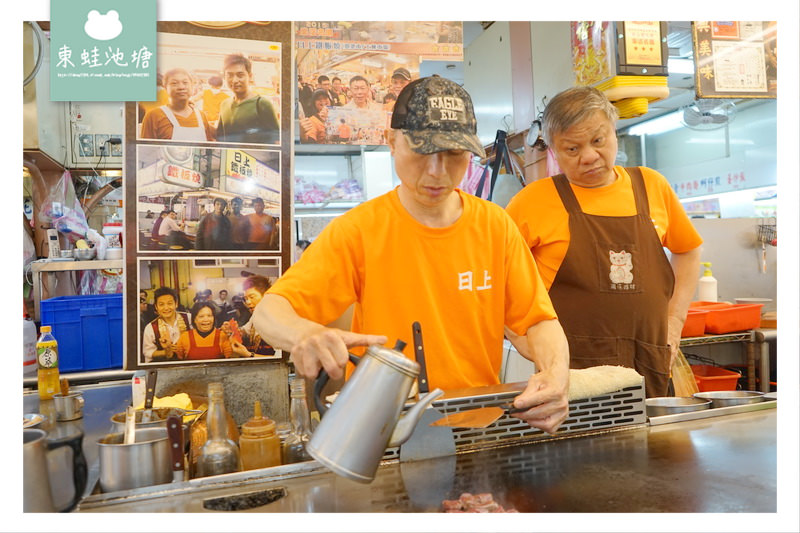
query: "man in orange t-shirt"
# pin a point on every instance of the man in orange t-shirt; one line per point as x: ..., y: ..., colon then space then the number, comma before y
x: 263, y: 228
x: 425, y: 252
x: 598, y: 233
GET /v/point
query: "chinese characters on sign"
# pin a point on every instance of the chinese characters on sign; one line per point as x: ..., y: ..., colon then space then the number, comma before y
x: 732, y: 181
x: 137, y: 59
x: 736, y: 59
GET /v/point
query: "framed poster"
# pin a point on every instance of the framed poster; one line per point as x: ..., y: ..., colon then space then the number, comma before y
x: 207, y: 194
x: 736, y: 59
x: 221, y: 200
x: 214, y: 89
x: 350, y: 73
x: 200, y: 310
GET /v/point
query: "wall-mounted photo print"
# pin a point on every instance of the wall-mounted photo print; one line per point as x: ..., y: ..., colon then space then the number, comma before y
x: 200, y: 310
x: 207, y: 199
x: 214, y: 89
x: 349, y: 74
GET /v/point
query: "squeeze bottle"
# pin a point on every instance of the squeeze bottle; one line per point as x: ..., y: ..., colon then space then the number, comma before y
x: 707, y: 286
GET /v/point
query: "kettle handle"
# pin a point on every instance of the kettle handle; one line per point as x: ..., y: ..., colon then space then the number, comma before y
x: 322, y: 380
x: 79, y: 467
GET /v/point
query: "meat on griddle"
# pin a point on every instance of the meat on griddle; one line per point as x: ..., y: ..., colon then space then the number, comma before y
x: 474, y: 503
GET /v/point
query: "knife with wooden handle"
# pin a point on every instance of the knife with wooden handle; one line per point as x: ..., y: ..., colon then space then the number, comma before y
x: 150, y: 392
x: 175, y: 434
x: 419, y: 354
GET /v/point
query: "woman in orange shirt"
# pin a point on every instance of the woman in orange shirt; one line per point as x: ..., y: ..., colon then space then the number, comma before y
x: 204, y: 341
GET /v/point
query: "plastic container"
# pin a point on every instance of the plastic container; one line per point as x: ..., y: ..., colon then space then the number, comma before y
x: 695, y: 324
x: 707, y: 285
x: 259, y: 445
x: 28, y: 347
x: 727, y: 318
x: 712, y: 378
x: 88, y: 329
x: 47, y: 357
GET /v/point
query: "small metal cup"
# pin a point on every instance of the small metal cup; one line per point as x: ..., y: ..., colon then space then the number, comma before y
x: 68, y: 407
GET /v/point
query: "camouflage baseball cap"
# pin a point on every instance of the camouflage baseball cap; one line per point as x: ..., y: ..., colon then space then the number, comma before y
x: 436, y: 114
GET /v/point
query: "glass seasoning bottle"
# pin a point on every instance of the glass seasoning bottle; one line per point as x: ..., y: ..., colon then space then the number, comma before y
x: 47, y: 358
x: 295, y: 446
x: 283, y: 430
x: 259, y: 446
x: 219, y: 455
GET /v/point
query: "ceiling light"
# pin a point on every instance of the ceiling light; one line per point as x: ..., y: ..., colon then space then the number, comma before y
x: 655, y: 126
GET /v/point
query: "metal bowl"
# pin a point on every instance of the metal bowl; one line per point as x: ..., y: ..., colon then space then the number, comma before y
x: 83, y: 254
x: 668, y: 405
x: 771, y: 397
x: 727, y: 398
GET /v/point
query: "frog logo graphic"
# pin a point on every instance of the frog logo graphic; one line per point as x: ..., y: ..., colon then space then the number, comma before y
x: 102, y: 27
x: 621, y: 266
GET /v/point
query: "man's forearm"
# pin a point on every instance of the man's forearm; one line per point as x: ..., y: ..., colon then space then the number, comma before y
x: 547, y: 346
x: 686, y: 268
x: 277, y: 322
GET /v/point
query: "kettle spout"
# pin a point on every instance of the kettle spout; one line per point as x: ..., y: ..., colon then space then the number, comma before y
x: 406, y: 424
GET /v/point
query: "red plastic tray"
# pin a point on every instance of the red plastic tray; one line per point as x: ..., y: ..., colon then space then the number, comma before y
x: 726, y: 318
x: 695, y: 324
x: 711, y: 378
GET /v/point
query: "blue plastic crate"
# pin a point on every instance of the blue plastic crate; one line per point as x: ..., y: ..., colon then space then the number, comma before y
x: 88, y: 330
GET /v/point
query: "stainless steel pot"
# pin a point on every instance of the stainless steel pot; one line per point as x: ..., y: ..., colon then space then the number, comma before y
x: 144, y: 462
x: 36, y: 495
x: 159, y: 420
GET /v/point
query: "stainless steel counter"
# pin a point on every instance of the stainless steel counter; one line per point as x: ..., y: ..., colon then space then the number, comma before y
x: 724, y: 464
x: 721, y: 464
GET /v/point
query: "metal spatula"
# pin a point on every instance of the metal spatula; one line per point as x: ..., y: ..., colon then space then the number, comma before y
x: 476, y: 418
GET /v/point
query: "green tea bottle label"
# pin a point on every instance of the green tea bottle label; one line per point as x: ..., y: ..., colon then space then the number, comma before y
x: 47, y: 354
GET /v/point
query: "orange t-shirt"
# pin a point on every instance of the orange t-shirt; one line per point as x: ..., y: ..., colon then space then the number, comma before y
x: 211, y: 103
x: 462, y: 283
x: 543, y: 221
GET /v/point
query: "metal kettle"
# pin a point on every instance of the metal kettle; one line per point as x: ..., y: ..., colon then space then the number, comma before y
x: 365, y: 419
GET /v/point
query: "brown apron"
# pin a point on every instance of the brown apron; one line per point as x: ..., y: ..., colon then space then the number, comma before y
x: 613, y: 288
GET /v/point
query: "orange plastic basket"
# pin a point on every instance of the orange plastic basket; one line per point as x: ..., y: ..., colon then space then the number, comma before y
x: 726, y: 318
x: 711, y: 378
x: 695, y: 324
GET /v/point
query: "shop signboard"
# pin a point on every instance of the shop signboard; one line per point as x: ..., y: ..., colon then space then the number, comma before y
x: 177, y: 175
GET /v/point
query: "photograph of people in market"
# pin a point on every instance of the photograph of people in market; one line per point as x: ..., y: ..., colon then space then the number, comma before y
x: 598, y: 232
x: 470, y: 262
x: 248, y: 117
x: 232, y: 85
x: 353, y: 112
x: 161, y: 334
x: 214, y: 229
x: 251, y: 343
x: 312, y: 128
x: 178, y: 119
x: 205, y: 340
x: 191, y: 324
x: 209, y: 199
